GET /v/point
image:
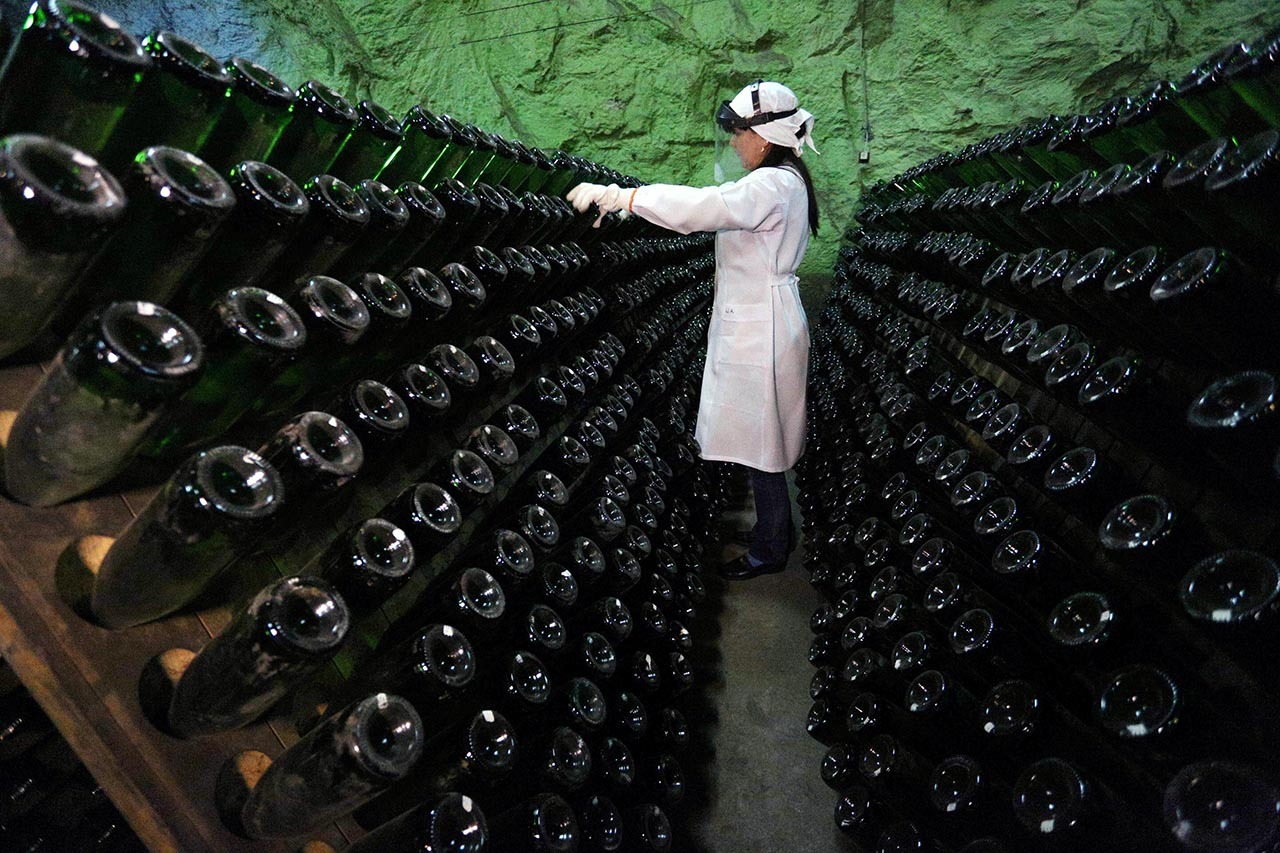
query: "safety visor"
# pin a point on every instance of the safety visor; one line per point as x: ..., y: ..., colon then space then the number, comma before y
x: 729, y: 120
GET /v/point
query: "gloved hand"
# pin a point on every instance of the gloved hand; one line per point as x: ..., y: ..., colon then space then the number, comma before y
x: 606, y: 198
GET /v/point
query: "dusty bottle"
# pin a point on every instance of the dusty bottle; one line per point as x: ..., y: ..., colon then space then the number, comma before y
x: 350, y: 758
x: 208, y: 513
x: 269, y: 210
x: 367, y: 564
x: 336, y: 218
x: 107, y: 388
x: 289, y: 630
x: 58, y: 208
x: 251, y: 334
x: 453, y: 822
x: 177, y: 203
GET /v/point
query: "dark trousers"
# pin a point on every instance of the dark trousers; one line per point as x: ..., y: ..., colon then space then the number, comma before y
x: 771, y: 537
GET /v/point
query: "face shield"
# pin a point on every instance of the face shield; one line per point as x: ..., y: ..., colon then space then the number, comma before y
x: 728, y: 121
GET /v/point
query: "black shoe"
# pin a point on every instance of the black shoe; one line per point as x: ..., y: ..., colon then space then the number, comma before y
x: 741, y: 569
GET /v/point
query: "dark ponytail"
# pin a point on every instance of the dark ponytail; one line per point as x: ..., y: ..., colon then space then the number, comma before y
x: 785, y: 157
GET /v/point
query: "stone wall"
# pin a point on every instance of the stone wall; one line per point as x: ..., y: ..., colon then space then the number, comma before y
x: 633, y: 83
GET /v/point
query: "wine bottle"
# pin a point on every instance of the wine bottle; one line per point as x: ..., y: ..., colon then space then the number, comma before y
x: 373, y: 142
x: 545, y: 823
x: 348, y: 759
x: 319, y: 123
x: 288, y: 631
x: 208, y: 513
x: 452, y: 822
x: 109, y: 385
x: 468, y: 759
x: 367, y: 564
x: 71, y: 76
x: 177, y: 103
x: 60, y: 206
x: 257, y: 108
x: 176, y: 204
x: 269, y: 210
x: 426, y: 217
x: 335, y: 219
x: 249, y: 335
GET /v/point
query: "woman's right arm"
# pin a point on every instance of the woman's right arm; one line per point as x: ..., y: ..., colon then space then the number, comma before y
x: 750, y: 204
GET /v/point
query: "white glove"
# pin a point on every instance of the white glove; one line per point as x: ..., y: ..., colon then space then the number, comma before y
x: 607, y: 199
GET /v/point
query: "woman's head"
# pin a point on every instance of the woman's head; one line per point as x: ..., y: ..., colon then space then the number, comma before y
x: 771, y: 112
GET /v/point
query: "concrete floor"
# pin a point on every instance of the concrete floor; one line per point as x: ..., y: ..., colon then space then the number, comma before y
x: 753, y: 770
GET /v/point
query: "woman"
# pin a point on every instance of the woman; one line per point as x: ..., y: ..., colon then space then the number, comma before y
x: 752, y: 409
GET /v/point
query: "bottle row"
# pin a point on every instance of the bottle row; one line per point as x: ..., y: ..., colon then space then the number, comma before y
x: 1204, y: 413
x: 1234, y: 92
x: 178, y: 233
x: 135, y: 379
x: 76, y: 75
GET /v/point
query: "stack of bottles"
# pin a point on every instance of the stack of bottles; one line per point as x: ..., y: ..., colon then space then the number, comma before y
x: 48, y: 800
x: 454, y: 424
x: 1040, y: 489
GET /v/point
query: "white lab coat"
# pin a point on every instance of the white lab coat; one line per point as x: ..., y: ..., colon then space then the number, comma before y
x: 752, y: 409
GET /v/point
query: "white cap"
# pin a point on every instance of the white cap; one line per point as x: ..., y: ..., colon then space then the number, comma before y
x: 793, y: 131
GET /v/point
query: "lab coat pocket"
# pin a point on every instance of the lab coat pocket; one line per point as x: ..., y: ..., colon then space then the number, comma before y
x: 745, y: 335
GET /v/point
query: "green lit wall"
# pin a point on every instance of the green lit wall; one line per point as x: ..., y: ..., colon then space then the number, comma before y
x: 633, y: 82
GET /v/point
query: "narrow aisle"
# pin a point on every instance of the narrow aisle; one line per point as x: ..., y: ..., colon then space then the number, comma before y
x: 759, y: 766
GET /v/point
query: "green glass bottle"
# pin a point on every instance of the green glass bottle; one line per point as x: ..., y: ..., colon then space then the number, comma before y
x: 483, y: 151
x: 542, y: 172
x: 388, y: 216
x: 431, y: 303
x: 72, y: 75
x: 526, y: 162
x: 460, y: 206
x: 335, y: 318
x: 257, y: 109
x: 425, y: 137
x: 371, y: 145
x: 346, y: 761
x: 492, y: 215
x: 336, y: 219
x: 320, y: 123
x: 367, y: 564
x: 1253, y: 77
x: 467, y: 291
x: 288, y: 631
x: 107, y: 387
x: 503, y: 162
x: 463, y: 139
x: 564, y: 176
x: 177, y: 202
x: 502, y: 235
x: 177, y: 104
x: 58, y: 206
x: 270, y: 209
x: 315, y: 454
x: 250, y: 335
x: 208, y: 514
x: 426, y: 215
x: 390, y: 313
